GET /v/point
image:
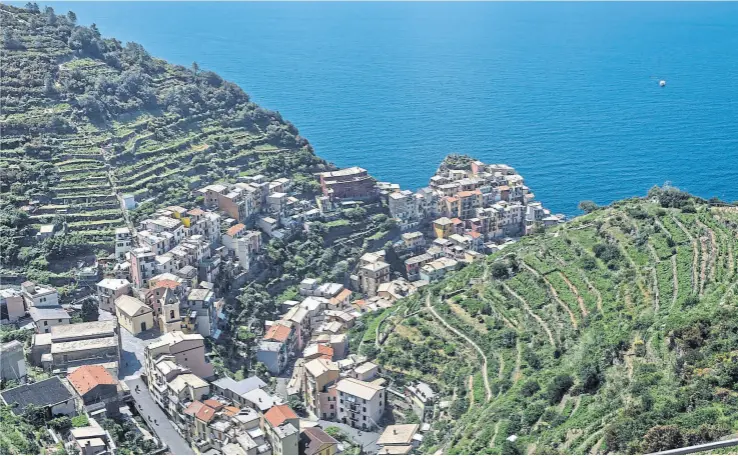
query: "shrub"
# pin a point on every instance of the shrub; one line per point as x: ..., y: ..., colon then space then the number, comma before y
x: 530, y: 388
x: 558, y: 387
x: 588, y: 206
x: 662, y: 438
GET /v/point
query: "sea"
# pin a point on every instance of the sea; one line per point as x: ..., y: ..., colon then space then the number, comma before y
x: 567, y: 93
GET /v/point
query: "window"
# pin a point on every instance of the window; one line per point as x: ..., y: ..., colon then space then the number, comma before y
x: 332, y: 407
x: 364, y: 400
x: 60, y: 320
x: 340, y: 409
x: 46, y: 323
x: 364, y: 409
x: 171, y: 314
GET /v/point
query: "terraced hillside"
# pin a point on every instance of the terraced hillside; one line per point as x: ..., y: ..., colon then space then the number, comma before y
x: 613, y: 333
x: 86, y: 119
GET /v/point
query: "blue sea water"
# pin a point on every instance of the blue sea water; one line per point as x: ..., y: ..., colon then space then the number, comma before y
x: 567, y: 93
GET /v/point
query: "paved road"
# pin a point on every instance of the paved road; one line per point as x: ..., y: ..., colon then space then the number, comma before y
x: 132, y: 353
x: 368, y: 440
x: 156, y: 419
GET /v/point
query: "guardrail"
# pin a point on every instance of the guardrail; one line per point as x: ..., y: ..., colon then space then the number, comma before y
x: 701, y: 447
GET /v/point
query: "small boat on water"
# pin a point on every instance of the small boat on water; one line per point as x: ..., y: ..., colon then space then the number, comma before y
x: 662, y: 83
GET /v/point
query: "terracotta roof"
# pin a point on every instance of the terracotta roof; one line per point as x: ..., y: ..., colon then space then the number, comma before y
x: 205, y: 413
x: 342, y: 296
x: 213, y: 404
x: 468, y: 193
x: 277, y: 333
x: 235, y: 229
x: 325, y: 351
x: 231, y: 411
x: 196, y: 211
x: 193, y: 408
x: 503, y: 188
x: 451, y: 199
x: 88, y: 377
x: 278, y: 414
x: 166, y: 283
x: 474, y: 234
x: 456, y: 221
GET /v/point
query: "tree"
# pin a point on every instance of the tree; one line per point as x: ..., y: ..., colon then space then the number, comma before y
x: 72, y: 17
x: 588, y: 206
x: 530, y: 388
x: 297, y: 405
x: 558, y: 387
x: 662, y: 438
x: 500, y: 270
x: 90, y: 311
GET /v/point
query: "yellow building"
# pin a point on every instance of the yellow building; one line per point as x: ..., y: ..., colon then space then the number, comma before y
x: 133, y: 314
x: 443, y: 227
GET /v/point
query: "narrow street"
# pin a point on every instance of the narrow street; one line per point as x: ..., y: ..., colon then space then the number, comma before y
x: 156, y: 419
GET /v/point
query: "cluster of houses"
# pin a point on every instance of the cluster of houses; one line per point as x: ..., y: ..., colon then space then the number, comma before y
x: 216, y: 416
x: 265, y: 204
x: 167, y: 280
x: 490, y: 200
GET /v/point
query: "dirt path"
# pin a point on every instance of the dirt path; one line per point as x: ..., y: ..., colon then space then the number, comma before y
x: 574, y: 290
x: 731, y: 263
x: 530, y: 312
x: 728, y: 293
x: 562, y: 403
x: 516, y: 373
x: 704, y: 265
x: 627, y: 297
x: 626, y: 255
x: 712, y: 260
x: 695, y: 253
x: 629, y: 363
x: 656, y: 292
x: 466, y: 338
x: 653, y: 252
x: 494, y: 436
x: 471, y: 392
x: 576, y: 406
x: 551, y: 288
x: 596, y: 447
x: 594, y: 290
x: 675, y: 279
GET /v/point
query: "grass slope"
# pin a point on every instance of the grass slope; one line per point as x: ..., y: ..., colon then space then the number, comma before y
x: 613, y: 333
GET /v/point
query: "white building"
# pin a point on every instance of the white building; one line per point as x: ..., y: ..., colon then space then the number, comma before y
x: 122, y: 242
x: 360, y: 404
x: 110, y: 289
x: 39, y: 296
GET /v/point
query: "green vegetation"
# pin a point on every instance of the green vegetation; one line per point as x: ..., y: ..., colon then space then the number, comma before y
x: 613, y: 333
x: 87, y: 118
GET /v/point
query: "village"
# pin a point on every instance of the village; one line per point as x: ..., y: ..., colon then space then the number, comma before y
x: 164, y: 299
